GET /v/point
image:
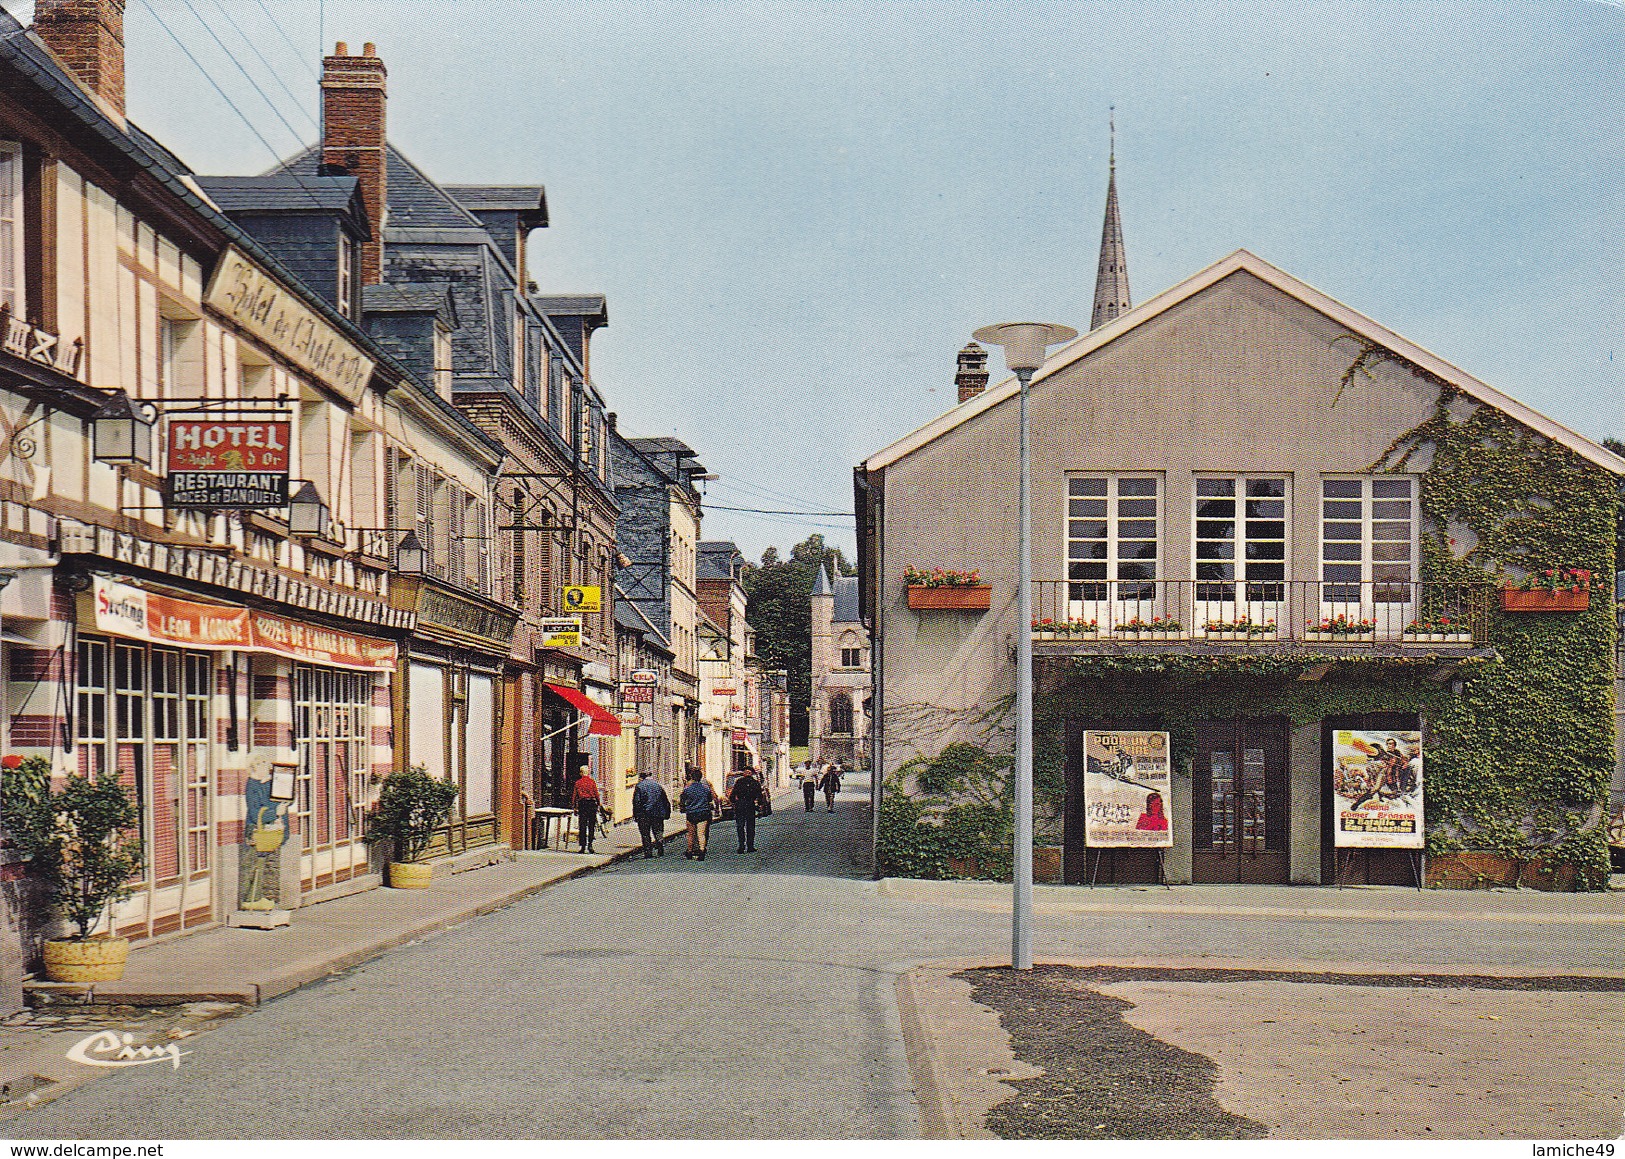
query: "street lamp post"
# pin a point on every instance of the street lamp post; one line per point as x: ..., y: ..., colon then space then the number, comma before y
x: 1024, y: 345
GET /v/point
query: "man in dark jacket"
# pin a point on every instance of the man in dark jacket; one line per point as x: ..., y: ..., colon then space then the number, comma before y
x: 745, y: 797
x: 650, y: 808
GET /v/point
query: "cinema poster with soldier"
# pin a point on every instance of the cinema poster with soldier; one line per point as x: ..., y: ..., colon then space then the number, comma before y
x: 1377, y: 789
x: 1125, y: 790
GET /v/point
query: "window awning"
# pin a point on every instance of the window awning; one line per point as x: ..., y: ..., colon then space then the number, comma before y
x: 604, y: 722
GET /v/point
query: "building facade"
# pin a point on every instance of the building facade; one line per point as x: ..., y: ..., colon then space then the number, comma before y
x: 204, y: 611
x: 838, y: 713
x: 1263, y: 531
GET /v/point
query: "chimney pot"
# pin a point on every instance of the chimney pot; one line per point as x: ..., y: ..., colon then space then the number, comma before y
x: 341, y: 49
x: 971, y: 378
x: 369, y: 49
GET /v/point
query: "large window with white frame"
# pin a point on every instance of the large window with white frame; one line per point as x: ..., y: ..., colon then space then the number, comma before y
x: 1368, y: 547
x: 1240, y: 543
x: 1113, y: 545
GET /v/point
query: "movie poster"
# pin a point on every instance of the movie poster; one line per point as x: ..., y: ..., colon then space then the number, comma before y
x: 1125, y: 790
x: 1377, y: 789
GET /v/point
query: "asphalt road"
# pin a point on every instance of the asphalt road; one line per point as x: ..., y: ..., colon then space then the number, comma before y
x: 746, y: 997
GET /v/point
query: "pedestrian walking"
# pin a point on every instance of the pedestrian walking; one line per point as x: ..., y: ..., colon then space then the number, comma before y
x: 745, y: 797
x: 584, y: 797
x: 698, y: 801
x: 650, y: 809
x: 809, y: 785
x: 831, y: 784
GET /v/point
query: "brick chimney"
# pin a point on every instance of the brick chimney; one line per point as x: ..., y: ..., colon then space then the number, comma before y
x: 353, y: 138
x: 87, y: 36
x: 972, y: 375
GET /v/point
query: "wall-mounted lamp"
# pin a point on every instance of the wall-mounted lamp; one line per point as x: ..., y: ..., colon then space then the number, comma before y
x: 121, y: 432
x: 307, y: 515
x: 410, y: 557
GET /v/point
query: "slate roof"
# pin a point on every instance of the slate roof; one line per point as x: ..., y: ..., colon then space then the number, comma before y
x: 716, y: 559
x: 573, y: 305
x: 529, y: 201
x: 821, y: 584
x: 283, y: 192
x: 846, y: 600
x: 415, y: 201
x: 411, y: 298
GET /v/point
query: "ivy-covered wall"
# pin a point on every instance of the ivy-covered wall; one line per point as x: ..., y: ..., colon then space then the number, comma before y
x: 1520, y: 746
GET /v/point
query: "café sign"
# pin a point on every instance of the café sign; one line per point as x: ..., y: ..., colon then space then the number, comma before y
x: 236, y: 463
x: 265, y: 308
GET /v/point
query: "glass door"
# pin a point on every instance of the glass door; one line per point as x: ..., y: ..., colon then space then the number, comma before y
x: 1239, y: 805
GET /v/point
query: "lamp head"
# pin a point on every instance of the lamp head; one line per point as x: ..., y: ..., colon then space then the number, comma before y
x: 1024, y: 343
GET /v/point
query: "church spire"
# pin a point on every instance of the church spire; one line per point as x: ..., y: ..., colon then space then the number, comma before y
x: 1111, y: 280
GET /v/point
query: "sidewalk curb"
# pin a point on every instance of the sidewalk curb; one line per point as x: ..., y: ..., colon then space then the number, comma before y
x: 299, y: 978
x: 314, y: 968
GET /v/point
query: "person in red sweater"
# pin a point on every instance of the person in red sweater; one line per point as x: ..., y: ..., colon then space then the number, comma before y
x: 585, y: 799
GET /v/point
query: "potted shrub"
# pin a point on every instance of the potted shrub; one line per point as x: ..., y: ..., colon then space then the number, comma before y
x: 411, y: 806
x: 83, y: 854
x: 1557, y: 589
x: 944, y: 588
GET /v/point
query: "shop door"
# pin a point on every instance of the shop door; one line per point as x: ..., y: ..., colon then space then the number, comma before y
x: 1239, y: 806
x: 332, y: 726
x: 145, y: 712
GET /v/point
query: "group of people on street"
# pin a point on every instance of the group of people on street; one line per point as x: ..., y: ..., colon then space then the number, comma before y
x: 699, y: 803
x: 827, y: 778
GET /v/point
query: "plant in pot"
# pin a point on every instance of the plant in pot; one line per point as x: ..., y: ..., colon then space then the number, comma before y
x: 411, y: 806
x: 83, y: 855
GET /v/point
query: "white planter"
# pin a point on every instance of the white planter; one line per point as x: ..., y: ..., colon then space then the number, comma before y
x: 1211, y: 635
x: 1437, y: 638
x: 1340, y: 637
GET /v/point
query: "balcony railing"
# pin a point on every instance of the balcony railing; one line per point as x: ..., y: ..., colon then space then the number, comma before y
x: 1093, y: 612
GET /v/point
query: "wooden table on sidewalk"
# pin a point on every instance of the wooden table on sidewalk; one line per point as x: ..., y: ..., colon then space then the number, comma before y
x: 543, y: 820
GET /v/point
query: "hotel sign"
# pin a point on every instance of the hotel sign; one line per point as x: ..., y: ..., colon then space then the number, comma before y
x: 235, y: 463
x: 263, y: 306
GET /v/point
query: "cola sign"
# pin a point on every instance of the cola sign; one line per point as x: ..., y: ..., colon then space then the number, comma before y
x: 238, y: 463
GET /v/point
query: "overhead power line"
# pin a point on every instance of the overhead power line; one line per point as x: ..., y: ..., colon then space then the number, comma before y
x: 297, y: 51
x: 764, y: 511
x: 275, y: 74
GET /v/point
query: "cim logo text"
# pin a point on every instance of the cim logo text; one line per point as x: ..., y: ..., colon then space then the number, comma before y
x: 110, y: 1048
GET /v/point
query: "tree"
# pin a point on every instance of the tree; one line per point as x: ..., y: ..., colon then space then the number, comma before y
x: 779, y: 608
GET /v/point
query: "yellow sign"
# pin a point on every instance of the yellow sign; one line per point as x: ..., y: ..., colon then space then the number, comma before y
x: 583, y: 598
x: 564, y: 632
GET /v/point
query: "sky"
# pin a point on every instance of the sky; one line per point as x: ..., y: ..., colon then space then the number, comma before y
x: 799, y: 212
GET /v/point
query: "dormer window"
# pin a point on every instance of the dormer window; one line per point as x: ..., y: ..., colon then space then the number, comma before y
x: 442, y: 362
x: 346, y: 282
x: 11, y: 228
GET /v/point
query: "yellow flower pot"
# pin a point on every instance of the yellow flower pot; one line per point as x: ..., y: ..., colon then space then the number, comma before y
x: 410, y: 874
x: 94, y: 960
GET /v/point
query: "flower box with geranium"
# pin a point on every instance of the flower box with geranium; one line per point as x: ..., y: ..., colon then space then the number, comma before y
x: 945, y: 589
x: 1157, y: 627
x: 1556, y: 589
x: 1441, y: 629
x: 1242, y: 629
x: 1050, y: 629
x: 1340, y: 629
